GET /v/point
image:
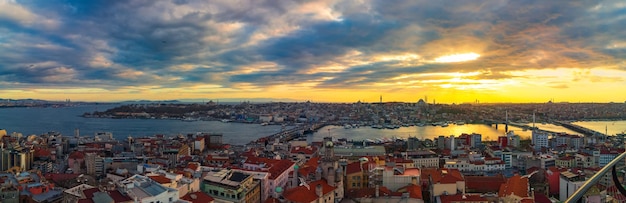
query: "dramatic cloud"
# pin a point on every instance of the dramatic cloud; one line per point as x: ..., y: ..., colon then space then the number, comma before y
x: 454, y: 50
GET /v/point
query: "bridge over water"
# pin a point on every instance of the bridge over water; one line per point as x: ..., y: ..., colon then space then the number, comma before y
x: 580, y: 129
x: 576, y: 128
x: 286, y: 135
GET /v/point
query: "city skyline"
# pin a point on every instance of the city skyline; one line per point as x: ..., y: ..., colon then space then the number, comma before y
x: 323, y: 50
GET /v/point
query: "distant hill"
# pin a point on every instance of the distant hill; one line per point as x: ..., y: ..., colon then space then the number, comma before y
x: 151, y: 101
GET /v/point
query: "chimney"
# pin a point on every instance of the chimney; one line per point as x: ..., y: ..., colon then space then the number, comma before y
x: 318, y: 173
x: 318, y: 190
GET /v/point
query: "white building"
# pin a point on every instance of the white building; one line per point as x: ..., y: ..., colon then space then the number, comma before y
x: 539, y: 139
x: 568, y: 184
x: 607, y: 156
x: 464, y: 165
x: 406, y: 176
x: 144, y: 189
x: 423, y: 158
x: 198, y: 144
x: 265, y: 118
x: 277, y: 173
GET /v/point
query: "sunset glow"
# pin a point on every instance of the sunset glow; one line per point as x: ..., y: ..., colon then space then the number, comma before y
x: 457, y: 58
x: 326, y: 51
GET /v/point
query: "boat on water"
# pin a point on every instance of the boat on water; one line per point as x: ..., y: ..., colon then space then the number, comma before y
x: 421, y: 124
x: 264, y: 124
x: 377, y: 126
x: 225, y: 120
x: 460, y: 123
x: 189, y: 119
x: 347, y: 126
x: 445, y: 124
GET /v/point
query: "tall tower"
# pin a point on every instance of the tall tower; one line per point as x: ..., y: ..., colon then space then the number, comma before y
x: 381, y: 99
x: 330, y: 169
x: 329, y: 163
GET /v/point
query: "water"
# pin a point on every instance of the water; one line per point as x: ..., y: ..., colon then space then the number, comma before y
x: 610, y: 127
x: 425, y: 132
x: 429, y: 131
x: 64, y: 120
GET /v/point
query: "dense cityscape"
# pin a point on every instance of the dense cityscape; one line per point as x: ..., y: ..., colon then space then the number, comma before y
x: 314, y: 101
x: 285, y: 167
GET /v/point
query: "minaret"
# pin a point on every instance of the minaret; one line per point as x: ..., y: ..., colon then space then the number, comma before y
x: 381, y: 99
x: 294, y: 181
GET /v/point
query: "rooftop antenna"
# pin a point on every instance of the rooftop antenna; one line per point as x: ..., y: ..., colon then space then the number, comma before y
x: 606, y: 132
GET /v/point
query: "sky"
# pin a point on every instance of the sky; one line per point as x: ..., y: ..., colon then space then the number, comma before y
x: 314, y: 50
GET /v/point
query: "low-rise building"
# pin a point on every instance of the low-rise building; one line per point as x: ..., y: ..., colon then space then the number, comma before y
x: 144, y: 189
x: 231, y: 186
x: 395, y: 178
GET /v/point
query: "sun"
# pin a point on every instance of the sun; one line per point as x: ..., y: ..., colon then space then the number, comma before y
x: 457, y: 58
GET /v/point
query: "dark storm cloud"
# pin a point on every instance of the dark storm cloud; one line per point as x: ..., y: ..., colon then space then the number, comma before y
x: 145, y: 42
x: 324, y: 42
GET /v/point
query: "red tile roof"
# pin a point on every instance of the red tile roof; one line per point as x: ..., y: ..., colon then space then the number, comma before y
x: 541, y: 198
x: 271, y: 200
x: 484, y: 184
x: 516, y: 185
x: 161, y: 179
x: 451, y: 176
x: 118, y: 197
x: 197, y: 197
x: 306, y: 195
x: 193, y: 166
x: 357, y: 167
x: 412, y: 172
x: 89, y: 192
x: 42, y: 152
x: 77, y: 155
x: 462, y: 198
x: 274, y: 167
x: 413, y: 190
